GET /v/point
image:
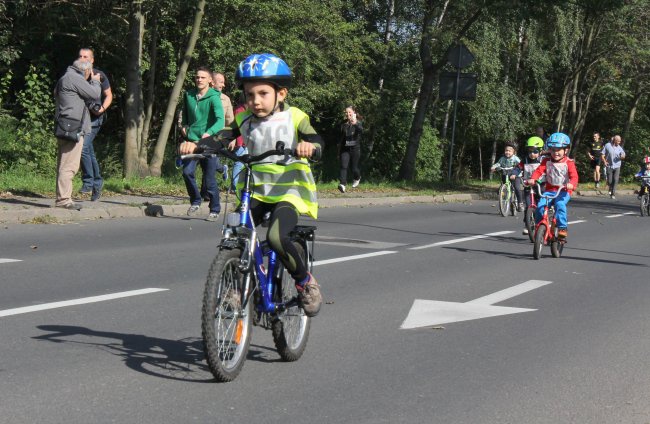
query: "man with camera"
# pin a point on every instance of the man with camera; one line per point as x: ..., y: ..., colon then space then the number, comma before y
x: 92, y: 182
x: 72, y: 94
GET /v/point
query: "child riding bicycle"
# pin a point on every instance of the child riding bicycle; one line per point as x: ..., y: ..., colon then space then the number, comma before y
x: 643, y: 172
x: 525, y: 169
x: 509, y: 160
x: 265, y: 79
x: 560, y: 171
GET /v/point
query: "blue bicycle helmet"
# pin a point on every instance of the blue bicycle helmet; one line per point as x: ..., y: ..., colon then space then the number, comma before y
x: 265, y: 67
x: 559, y: 140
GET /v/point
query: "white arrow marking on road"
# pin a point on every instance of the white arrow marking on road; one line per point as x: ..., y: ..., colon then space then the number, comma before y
x: 426, y: 313
x: 4, y: 261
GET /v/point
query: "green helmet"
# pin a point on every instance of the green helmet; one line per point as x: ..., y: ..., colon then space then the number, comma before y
x: 535, y: 142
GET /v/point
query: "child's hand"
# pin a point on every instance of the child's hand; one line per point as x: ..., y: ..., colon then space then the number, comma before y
x: 530, y: 182
x: 305, y: 149
x: 187, y: 147
x: 569, y: 187
x: 512, y: 177
x: 231, y: 145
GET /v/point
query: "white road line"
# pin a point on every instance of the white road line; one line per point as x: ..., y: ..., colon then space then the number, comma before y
x: 621, y: 214
x: 83, y: 300
x: 577, y: 222
x: 443, y: 243
x: 352, y: 258
x: 4, y: 261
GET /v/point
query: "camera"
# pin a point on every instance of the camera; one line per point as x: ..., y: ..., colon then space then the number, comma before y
x: 95, y: 107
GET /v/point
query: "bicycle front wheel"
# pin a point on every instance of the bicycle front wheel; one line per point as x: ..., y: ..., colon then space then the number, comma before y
x: 291, y: 328
x: 504, y: 200
x: 540, y: 234
x: 644, y: 205
x: 514, y: 205
x: 226, y: 325
x: 530, y: 223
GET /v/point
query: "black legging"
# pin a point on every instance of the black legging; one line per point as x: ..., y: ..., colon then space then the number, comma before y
x: 350, y: 154
x: 284, y: 217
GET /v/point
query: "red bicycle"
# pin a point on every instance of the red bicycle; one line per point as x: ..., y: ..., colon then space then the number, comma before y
x: 546, y: 228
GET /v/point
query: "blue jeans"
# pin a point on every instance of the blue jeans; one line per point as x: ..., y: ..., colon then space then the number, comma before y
x: 237, y: 167
x: 209, y: 167
x: 90, y: 176
x: 560, y: 208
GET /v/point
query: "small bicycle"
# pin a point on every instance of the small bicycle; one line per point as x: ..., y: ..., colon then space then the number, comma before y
x: 248, y: 285
x: 546, y: 228
x: 530, y: 214
x: 507, y: 198
x: 644, y: 200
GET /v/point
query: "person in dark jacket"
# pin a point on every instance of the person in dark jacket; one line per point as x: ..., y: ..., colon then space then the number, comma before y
x: 72, y: 93
x: 350, y: 148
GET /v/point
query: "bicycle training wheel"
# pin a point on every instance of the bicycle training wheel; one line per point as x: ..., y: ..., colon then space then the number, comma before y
x: 291, y: 327
x: 530, y: 223
x: 504, y: 200
x: 540, y: 233
x: 645, y: 205
x: 226, y: 326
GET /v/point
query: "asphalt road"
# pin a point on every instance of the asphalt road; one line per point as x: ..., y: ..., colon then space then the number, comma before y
x: 578, y: 356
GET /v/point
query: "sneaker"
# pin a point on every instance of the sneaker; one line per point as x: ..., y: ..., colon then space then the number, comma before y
x: 72, y: 206
x: 525, y: 231
x: 613, y: 197
x: 97, y: 193
x: 597, y: 184
x: 341, y: 188
x: 355, y: 183
x: 309, y: 296
x: 212, y: 216
x: 561, y: 233
x: 521, y: 206
x: 193, y: 210
x: 224, y: 173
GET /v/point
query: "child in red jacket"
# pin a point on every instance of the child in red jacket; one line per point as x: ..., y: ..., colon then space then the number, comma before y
x: 560, y: 173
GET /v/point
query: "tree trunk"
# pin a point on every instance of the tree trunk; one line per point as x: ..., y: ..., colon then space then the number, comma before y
x: 430, y: 71
x: 133, y: 104
x: 387, y: 36
x: 161, y: 143
x: 151, y: 83
x: 630, y: 115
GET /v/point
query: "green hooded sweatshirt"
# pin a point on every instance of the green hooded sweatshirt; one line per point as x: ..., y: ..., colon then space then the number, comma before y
x: 204, y: 115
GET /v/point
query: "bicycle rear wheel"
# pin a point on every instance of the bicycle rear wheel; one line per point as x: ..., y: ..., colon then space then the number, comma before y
x: 504, y: 200
x: 644, y: 205
x: 530, y: 223
x: 540, y: 234
x: 226, y: 325
x: 291, y: 328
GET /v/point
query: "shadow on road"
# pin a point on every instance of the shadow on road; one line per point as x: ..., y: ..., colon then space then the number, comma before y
x: 181, y: 360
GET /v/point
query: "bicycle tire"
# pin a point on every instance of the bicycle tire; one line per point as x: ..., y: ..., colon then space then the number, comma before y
x: 540, y: 234
x: 291, y: 327
x: 504, y: 200
x: 557, y: 248
x: 226, y: 326
x: 644, y: 205
x: 530, y: 223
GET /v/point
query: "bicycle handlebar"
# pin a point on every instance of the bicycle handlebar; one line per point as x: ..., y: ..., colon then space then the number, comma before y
x: 247, y: 159
x: 539, y: 191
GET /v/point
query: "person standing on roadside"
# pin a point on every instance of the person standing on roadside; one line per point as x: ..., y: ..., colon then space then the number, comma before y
x: 202, y: 116
x: 72, y: 93
x: 240, y: 147
x: 219, y: 83
x: 92, y: 182
x: 612, y: 156
x: 350, y: 148
x: 594, y: 153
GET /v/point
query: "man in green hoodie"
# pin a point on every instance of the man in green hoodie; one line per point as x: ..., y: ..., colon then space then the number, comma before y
x: 203, y: 116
